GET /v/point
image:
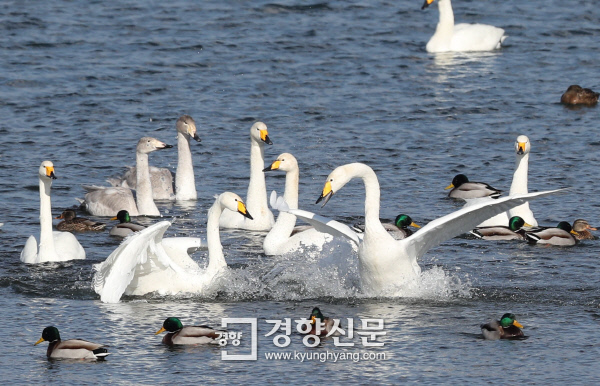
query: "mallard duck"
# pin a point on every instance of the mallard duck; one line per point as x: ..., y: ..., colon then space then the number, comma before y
x: 577, y: 95
x: 178, y: 334
x: 514, y: 230
x: 583, y: 230
x: 398, y: 230
x: 328, y: 322
x: 72, y: 348
x: 505, y: 328
x: 72, y: 223
x: 125, y: 227
x: 465, y: 189
x: 562, y: 235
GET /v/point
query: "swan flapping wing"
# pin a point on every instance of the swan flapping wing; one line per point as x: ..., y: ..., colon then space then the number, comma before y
x: 463, y: 220
x: 138, y: 252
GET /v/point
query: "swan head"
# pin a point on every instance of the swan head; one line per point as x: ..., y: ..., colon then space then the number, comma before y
x: 234, y: 203
x: 67, y: 215
x: 47, y: 170
x: 186, y: 126
x: 148, y: 145
x: 50, y: 334
x: 522, y: 145
x: 284, y: 162
x: 171, y: 325
x: 335, y: 181
x: 508, y: 320
x: 427, y: 3
x: 122, y: 216
x: 457, y: 181
x: 259, y: 133
x: 404, y: 220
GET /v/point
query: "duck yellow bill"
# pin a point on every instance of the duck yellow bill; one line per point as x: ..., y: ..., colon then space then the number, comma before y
x: 313, y: 319
x: 449, y: 187
x: 60, y: 217
x: 527, y: 225
x: 39, y: 341
x: 161, y: 330
x: 413, y: 224
x: 573, y: 232
x: 112, y: 218
x: 326, y: 194
x: 517, y: 324
x: 242, y: 209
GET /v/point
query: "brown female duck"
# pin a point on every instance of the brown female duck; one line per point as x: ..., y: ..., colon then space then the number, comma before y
x: 577, y: 95
x: 72, y: 223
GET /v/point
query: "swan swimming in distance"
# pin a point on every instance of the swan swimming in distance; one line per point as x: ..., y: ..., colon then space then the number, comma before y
x: 282, y: 238
x: 162, y: 178
x: 146, y: 262
x: 461, y: 37
x: 53, y: 246
x: 386, y: 263
x: 256, y: 199
x: 109, y: 200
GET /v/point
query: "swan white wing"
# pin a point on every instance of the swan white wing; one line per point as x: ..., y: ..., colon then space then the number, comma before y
x: 476, y: 37
x: 108, y: 201
x: 113, y: 276
x: 461, y: 221
x: 499, y: 219
x: 67, y: 246
x: 179, y: 249
x: 327, y: 225
x: 30, y: 251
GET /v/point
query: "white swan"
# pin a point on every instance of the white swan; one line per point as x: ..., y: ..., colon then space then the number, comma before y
x: 145, y: 262
x: 280, y: 240
x: 161, y: 178
x: 54, y: 246
x: 519, y: 181
x: 108, y: 201
x: 461, y: 37
x: 256, y: 198
x: 384, y: 262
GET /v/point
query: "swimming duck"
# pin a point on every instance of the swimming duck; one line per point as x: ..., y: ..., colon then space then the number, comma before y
x: 583, y: 229
x: 72, y: 348
x: 562, y: 235
x: 72, y: 223
x: 327, y: 322
x: 505, y: 328
x: 514, y: 230
x: 577, y: 95
x: 465, y: 189
x: 398, y: 230
x: 178, y: 334
x: 461, y: 37
x: 125, y: 227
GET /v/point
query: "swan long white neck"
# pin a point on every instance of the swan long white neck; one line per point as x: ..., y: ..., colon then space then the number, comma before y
x: 216, y: 259
x: 372, y: 197
x: 47, y: 251
x: 185, y: 183
x: 284, y: 226
x: 519, y: 182
x: 144, y: 201
x: 445, y: 28
x: 256, y: 199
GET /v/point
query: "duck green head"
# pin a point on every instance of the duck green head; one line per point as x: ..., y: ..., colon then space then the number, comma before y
x: 515, y: 223
x: 508, y: 320
x: 122, y: 216
x: 403, y: 220
x: 457, y: 181
x: 316, y: 314
x: 171, y: 325
x: 50, y: 334
x: 565, y: 226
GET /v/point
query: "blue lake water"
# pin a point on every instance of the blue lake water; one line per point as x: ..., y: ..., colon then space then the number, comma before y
x: 336, y: 82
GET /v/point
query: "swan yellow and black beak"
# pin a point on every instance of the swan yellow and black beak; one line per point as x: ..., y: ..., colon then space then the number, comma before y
x: 39, y: 341
x: 242, y: 209
x: 264, y: 136
x: 161, y: 330
x: 192, y: 133
x: 50, y: 172
x: 326, y: 194
x: 427, y: 3
x: 517, y: 324
x: 165, y: 146
x: 274, y: 166
x: 521, y: 147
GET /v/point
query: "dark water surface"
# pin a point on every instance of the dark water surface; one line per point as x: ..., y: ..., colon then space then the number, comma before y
x: 336, y: 82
